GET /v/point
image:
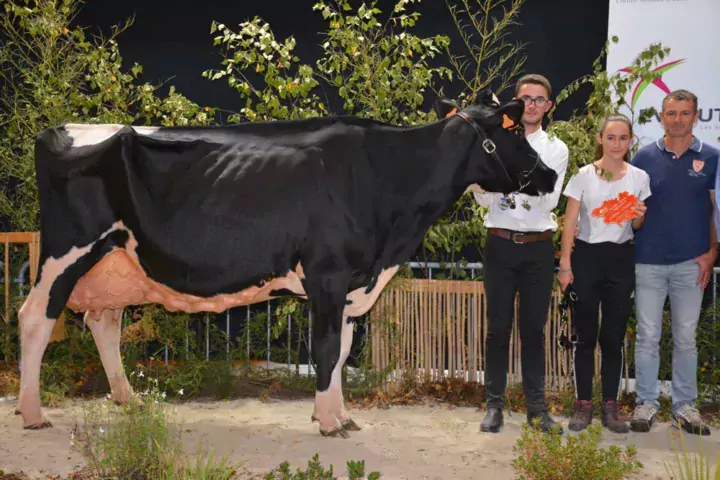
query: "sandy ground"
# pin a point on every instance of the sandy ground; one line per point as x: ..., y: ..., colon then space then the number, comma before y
x: 414, y: 442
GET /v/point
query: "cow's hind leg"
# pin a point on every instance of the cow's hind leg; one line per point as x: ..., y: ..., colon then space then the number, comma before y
x: 37, y: 316
x: 106, y: 331
x: 35, y: 331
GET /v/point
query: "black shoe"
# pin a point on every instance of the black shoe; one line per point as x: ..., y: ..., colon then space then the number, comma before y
x: 493, y: 420
x: 547, y: 424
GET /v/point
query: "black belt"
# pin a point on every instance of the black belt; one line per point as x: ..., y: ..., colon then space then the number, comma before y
x: 521, y: 237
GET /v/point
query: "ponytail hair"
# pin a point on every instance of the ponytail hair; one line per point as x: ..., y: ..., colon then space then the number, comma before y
x: 613, y: 117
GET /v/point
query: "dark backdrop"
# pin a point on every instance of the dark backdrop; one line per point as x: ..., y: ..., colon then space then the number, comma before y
x: 171, y: 38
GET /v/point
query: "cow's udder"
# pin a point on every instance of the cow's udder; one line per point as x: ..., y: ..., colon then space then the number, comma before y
x: 118, y: 281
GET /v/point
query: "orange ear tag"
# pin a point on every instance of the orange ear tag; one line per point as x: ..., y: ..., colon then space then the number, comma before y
x: 508, y: 124
x: 617, y: 210
x: 451, y: 112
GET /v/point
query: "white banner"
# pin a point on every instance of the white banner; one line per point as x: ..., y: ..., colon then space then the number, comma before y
x: 690, y: 29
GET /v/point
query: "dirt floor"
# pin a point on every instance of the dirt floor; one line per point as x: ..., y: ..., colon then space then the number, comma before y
x: 413, y: 442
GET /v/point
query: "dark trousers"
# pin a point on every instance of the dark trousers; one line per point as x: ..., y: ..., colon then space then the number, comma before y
x: 527, y: 269
x: 604, y: 276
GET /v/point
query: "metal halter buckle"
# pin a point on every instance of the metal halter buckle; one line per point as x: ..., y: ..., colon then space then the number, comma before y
x: 489, y: 146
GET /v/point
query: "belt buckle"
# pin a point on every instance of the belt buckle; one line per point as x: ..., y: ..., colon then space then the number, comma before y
x: 513, y: 236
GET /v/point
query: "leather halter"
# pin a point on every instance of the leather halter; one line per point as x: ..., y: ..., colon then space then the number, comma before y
x: 487, y: 144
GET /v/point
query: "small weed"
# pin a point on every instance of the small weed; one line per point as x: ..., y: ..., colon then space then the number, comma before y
x: 690, y: 466
x: 315, y: 471
x: 139, y: 440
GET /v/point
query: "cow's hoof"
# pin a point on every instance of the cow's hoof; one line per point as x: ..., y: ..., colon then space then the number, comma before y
x: 351, y: 426
x: 335, y: 432
x: 39, y: 425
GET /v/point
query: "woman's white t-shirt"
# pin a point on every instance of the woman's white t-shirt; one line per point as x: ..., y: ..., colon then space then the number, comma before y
x: 592, y: 191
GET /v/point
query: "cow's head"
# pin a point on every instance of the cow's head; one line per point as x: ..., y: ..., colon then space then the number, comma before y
x: 501, y: 159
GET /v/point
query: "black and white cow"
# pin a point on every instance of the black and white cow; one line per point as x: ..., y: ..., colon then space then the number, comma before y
x: 207, y: 218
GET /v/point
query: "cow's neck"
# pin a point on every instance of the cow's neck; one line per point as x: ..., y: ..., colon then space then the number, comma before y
x: 438, y: 181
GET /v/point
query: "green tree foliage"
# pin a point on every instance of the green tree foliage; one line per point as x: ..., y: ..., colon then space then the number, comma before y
x: 607, y: 95
x: 51, y: 74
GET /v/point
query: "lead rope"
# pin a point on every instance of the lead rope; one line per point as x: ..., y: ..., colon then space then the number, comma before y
x: 567, y: 336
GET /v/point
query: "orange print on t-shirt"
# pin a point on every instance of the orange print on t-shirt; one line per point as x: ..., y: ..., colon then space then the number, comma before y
x: 617, y: 210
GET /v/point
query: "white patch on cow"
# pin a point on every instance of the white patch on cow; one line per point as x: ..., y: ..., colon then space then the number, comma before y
x: 361, y: 301
x: 88, y: 134
x: 330, y: 408
x: 106, y: 331
x: 36, y: 329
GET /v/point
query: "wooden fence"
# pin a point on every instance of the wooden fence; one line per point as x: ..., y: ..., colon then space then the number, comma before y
x: 436, y: 329
x: 9, y: 240
x: 420, y: 327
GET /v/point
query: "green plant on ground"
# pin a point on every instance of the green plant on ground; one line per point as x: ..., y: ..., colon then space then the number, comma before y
x: 140, y: 440
x: 315, y: 471
x: 689, y: 466
x: 547, y: 456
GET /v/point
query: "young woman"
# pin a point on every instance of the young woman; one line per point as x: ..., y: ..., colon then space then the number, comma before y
x: 608, y: 198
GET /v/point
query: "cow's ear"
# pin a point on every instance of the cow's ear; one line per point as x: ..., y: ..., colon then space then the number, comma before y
x: 486, y: 97
x: 511, y: 114
x: 445, y: 107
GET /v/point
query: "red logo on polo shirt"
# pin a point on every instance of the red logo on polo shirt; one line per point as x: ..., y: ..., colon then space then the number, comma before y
x: 698, y: 165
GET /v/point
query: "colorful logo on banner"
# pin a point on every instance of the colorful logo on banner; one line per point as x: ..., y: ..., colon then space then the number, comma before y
x: 617, y: 210
x: 658, y: 82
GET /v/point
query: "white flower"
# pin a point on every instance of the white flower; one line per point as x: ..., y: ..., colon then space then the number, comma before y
x: 181, y: 392
x: 141, y: 374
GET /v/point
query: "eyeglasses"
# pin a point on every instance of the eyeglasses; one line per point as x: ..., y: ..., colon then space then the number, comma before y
x: 539, y: 101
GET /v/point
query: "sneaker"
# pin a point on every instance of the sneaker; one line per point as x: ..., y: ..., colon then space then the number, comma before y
x: 582, y: 416
x: 689, y: 418
x: 610, y: 418
x: 643, y: 418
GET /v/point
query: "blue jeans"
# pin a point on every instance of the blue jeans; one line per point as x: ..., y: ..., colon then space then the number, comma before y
x: 652, y: 286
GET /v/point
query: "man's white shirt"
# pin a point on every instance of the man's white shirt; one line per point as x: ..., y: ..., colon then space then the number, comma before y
x: 531, y: 214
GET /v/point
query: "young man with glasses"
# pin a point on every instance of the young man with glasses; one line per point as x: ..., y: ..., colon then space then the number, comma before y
x: 519, y: 257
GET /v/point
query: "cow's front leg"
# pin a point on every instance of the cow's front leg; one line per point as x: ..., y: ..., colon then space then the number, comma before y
x: 106, y: 331
x: 332, y: 339
x: 330, y: 409
x: 35, y: 331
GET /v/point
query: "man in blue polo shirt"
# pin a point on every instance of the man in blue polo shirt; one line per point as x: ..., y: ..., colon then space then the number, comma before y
x: 675, y: 251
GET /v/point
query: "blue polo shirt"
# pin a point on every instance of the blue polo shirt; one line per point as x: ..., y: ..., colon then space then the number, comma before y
x: 677, y: 221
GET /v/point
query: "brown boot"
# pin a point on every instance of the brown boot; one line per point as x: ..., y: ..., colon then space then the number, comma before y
x: 611, y: 419
x: 582, y: 416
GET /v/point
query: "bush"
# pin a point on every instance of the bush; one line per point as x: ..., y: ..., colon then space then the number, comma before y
x: 140, y: 441
x: 542, y: 456
x: 315, y: 471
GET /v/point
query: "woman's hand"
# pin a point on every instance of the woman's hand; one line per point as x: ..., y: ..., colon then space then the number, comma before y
x: 639, y: 209
x: 565, y: 278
